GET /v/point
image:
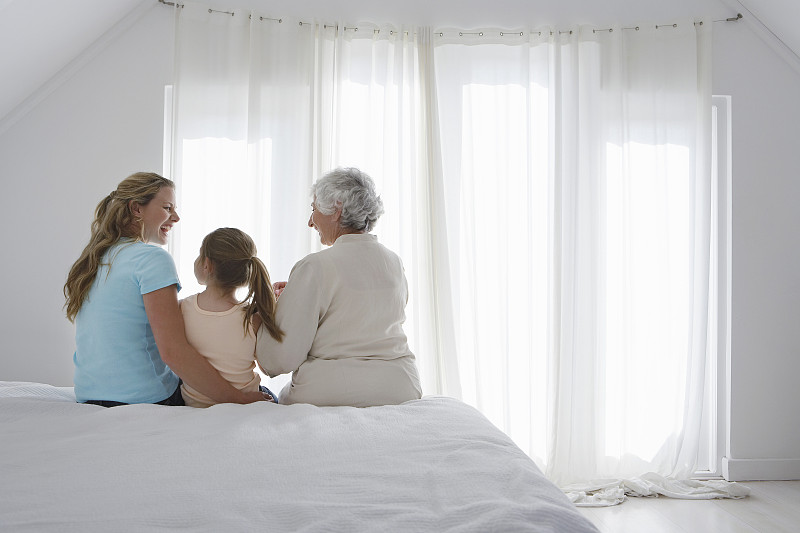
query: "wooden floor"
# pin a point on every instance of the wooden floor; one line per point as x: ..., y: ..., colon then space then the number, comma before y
x: 772, y: 507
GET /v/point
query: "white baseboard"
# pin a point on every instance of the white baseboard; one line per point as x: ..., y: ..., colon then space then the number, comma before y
x: 760, y: 469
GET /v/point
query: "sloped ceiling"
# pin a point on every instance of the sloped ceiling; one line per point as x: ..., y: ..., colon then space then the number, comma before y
x: 39, y: 38
x: 780, y: 17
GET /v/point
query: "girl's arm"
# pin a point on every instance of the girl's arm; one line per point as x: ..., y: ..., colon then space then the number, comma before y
x: 166, y: 322
x: 255, y: 324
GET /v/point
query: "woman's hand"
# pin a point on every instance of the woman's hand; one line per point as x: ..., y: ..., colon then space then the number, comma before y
x: 257, y: 396
x: 278, y: 287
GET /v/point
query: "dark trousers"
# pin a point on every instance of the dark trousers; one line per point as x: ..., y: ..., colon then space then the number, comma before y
x: 262, y: 388
x: 175, y: 399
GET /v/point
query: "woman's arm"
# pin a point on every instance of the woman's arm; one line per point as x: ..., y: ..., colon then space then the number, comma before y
x: 166, y: 321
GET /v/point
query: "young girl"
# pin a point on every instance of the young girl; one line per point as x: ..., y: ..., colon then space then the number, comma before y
x: 122, y: 294
x: 217, y: 324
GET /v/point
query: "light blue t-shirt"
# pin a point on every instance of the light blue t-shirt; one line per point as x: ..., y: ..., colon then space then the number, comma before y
x: 116, y: 357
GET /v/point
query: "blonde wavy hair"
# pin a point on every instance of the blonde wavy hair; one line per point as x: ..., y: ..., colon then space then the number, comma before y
x: 113, y: 220
x: 232, y: 253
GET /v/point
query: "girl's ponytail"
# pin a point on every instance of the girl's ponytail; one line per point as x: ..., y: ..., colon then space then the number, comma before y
x: 262, y: 299
x: 233, y: 254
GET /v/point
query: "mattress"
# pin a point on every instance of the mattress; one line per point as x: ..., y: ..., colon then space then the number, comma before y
x: 434, y: 464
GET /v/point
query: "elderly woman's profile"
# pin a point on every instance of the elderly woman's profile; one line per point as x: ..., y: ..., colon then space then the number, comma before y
x: 342, y: 309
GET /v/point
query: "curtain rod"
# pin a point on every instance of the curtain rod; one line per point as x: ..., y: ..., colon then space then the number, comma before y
x: 658, y: 26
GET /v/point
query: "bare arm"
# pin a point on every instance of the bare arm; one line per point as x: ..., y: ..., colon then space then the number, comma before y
x: 255, y: 324
x: 166, y: 322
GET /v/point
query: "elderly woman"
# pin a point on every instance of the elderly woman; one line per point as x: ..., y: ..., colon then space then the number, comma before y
x: 342, y: 309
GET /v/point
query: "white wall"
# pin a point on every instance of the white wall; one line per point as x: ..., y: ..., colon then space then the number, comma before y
x: 764, y: 433
x: 103, y: 124
x: 106, y: 122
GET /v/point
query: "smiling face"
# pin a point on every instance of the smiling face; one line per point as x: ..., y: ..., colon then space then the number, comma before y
x: 158, y: 216
x: 326, y: 225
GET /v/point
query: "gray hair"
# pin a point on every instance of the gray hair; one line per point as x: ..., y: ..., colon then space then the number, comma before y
x: 353, y: 191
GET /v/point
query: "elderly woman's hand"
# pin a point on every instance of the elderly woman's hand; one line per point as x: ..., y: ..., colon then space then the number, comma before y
x: 277, y: 287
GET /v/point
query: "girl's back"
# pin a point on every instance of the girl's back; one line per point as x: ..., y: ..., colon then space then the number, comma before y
x: 219, y: 326
x: 220, y: 337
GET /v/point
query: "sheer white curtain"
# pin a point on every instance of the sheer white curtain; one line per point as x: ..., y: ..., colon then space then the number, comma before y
x: 547, y: 191
x: 263, y: 106
x: 243, y: 150
x: 577, y: 188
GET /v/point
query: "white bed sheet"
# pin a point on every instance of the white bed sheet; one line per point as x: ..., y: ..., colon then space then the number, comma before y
x: 433, y: 464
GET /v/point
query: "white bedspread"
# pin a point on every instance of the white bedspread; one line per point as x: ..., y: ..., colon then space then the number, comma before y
x: 434, y: 464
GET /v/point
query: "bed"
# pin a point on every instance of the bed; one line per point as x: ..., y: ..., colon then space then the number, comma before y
x: 433, y: 464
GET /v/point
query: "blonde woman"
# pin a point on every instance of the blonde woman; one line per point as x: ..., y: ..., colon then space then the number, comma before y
x: 122, y: 294
x: 218, y: 325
